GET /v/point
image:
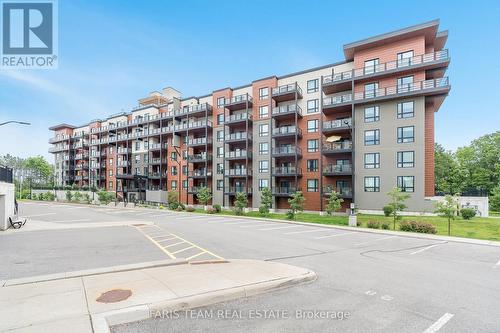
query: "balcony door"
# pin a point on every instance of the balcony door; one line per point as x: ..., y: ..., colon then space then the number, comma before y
x: 405, y: 58
x: 405, y: 84
x: 371, y: 90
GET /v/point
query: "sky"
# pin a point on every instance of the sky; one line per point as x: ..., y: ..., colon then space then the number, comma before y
x: 111, y: 53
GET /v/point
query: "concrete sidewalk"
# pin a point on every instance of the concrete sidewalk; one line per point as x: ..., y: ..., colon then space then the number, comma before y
x: 70, y: 304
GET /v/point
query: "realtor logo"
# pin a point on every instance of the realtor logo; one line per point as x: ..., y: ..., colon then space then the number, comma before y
x: 29, y: 34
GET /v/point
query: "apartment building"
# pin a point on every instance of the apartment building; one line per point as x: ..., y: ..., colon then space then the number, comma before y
x: 360, y: 127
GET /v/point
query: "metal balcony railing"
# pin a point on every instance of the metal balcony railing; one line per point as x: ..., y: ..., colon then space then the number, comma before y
x: 238, y: 117
x: 284, y: 109
x: 344, y: 191
x: 337, y: 146
x: 199, y: 141
x: 287, y: 88
x: 291, y: 170
x: 334, y: 100
x: 286, y: 150
x: 238, y: 172
x: 285, y: 130
x: 288, y: 190
x: 238, y: 136
x: 238, y: 99
x: 238, y: 189
x: 200, y: 173
x: 337, y: 168
x: 238, y: 153
x: 337, y: 124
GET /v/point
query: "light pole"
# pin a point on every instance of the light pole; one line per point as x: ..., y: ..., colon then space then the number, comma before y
x: 14, y: 122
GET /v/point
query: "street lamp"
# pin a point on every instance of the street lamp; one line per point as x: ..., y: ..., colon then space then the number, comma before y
x: 15, y: 122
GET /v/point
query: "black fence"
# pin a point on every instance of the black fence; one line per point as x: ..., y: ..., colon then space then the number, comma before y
x: 6, y: 175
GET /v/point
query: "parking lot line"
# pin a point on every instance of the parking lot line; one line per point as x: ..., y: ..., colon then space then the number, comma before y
x: 251, y: 225
x: 78, y: 220
x: 184, y: 249
x: 426, y: 248
x: 178, y: 243
x: 36, y: 215
x: 497, y: 264
x: 375, y: 240
x: 277, y: 228
x: 439, y: 323
x: 335, y: 235
x: 303, y: 232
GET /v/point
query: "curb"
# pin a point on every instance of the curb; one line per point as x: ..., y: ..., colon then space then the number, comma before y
x: 102, y: 322
x: 94, y: 271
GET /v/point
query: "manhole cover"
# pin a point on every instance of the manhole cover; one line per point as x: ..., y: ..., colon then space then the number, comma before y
x: 113, y: 296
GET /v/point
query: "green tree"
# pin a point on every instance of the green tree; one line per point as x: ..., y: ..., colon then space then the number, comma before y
x: 448, y: 208
x: 173, y: 199
x: 105, y: 197
x: 296, y: 203
x: 204, y: 195
x: 448, y: 175
x: 495, y: 199
x: 334, y: 202
x: 266, y: 201
x: 240, y: 202
x: 39, y: 168
x: 69, y: 195
x: 397, y: 203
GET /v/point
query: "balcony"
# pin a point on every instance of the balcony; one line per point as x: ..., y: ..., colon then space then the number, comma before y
x: 290, y: 171
x: 336, y: 126
x: 202, y: 124
x: 337, y: 82
x: 337, y: 147
x: 123, y: 151
x: 196, y: 142
x: 428, y: 61
x: 58, y: 149
x: 337, y: 170
x: 196, y: 189
x: 238, y: 155
x: 286, y: 111
x: 288, y: 92
x: 238, y: 172
x: 237, y: 137
x: 81, y: 166
x: 284, y: 191
x: 122, y: 164
x: 337, y: 103
x: 286, y: 151
x: 200, y: 109
x: 200, y: 173
x: 238, y: 118
x: 59, y: 139
x: 431, y: 87
x: 238, y: 102
x: 196, y: 158
x: 345, y: 192
x: 233, y: 190
x: 156, y: 175
x: 157, y: 161
x: 286, y: 132
x: 81, y: 156
x: 157, y: 146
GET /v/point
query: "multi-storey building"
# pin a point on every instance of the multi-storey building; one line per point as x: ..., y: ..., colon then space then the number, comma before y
x: 360, y: 127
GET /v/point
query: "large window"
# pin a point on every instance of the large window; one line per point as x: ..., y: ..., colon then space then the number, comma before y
x: 312, y: 146
x: 406, y: 134
x: 263, y: 111
x: 371, y: 66
x: 312, y: 86
x: 312, y: 165
x: 312, y: 125
x: 220, y: 185
x: 371, y: 90
x: 173, y: 156
x: 220, y: 119
x: 372, y: 137
x: 220, y: 102
x: 406, y: 159
x: 263, y: 129
x: 405, y: 84
x: 264, y: 166
x: 264, y: 93
x: 263, y: 183
x: 406, y: 183
x: 173, y: 185
x: 406, y: 109
x: 372, y: 184
x: 263, y: 148
x: 312, y: 106
x: 372, y: 114
x: 372, y: 160
x: 220, y: 151
x: 220, y: 168
x: 405, y: 58
x: 312, y: 185
x: 220, y: 135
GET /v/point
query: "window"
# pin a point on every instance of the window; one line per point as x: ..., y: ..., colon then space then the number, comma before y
x: 220, y: 168
x: 372, y: 160
x: 263, y: 130
x: 146, y: 158
x: 312, y: 165
x: 263, y: 183
x: 146, y: 144
x: 220, y: 119
x: 406, y: 134
x: 186, y: 140
x: 220, y: 102
x: 173, y: 184
x: 220, y: 151
x: 137, y: 145
x: 173, y: 156
x: 372, y: 184
x: 138, y: 158
x: 184, y: 154
x: 264, y: 93
x: 110, y: 150
x: 372, y: 114
x: 111, y: 173
x: 263, y: 148
x: 220, y: 135
x: 312, y: 185
x: 263, y: 166
x: 371, y: 66
x: 174, y: 170
x: 405, y: 58
x: 312, y: 86
x: 371, y: 90
x: 372, y: 137
x: 184, y: 169
x: 110, y: 185
x: 312, y: 125
x: 406, y: 183
x: 263, y: 111
x: 405, y: 84
x: 312, y: 146
x: 111, y: 161
x: 405, y: 109
x: 220, y: 185
x: 312, y: 106
x: 406, y: 159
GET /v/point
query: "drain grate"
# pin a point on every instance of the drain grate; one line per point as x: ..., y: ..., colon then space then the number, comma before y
x: 114, y: 296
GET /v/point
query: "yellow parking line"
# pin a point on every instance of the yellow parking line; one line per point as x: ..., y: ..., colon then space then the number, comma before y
x: 185, y: 249
x: 199, y: 247
x: 174, y: 244
x: 196, y: 255
x: 157, y: 244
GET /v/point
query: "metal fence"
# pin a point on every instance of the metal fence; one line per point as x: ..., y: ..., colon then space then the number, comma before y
x: 6, y: 175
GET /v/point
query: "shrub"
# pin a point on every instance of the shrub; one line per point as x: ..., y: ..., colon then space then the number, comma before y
x: 204, y: 195
x: 296, y: 203
x: 77, y: 196
x: 495, y: 199
x: 334, y: 203
x: 69, y: 195
x: 217, y: 208
x: 211, y: 210
x: 161, y: 206
x: 417, y: 226
x: 358, y: 223
x: 190, y: 209
x: 173, y: 205
x: 385, y: 225
x: 49, y: 196
x: 33, y: 196
x: 388, y: 210
x: 240, y: 202
x: 86, y: 198
x: 266, y: 199
x: 467, y: 213
x: 105, y: 197
x: 173, y: 199
x: 373, y: 224
x: 179, y: 208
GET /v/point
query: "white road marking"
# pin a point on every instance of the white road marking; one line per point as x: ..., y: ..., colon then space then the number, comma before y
x: 287, y: 227
x: 161, y: 215
x: 251, y: 225
x: 237, y: 222
x: 375, y: 240
x: 303, y: 232
x: 371, y: 292
x: 387, y: 298
x: 36, y: 215
x: 189, y: 217
x: 144, y: 213
x: 497, y: 264
x: 79, y: 220
x: 73, y: 207
x: 184, y: 249
x: 225, y: 221
x: 439, y: 323
x: 334, y: 235
x: 425, y: 249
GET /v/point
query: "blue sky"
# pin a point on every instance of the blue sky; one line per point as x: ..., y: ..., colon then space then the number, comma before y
x: 113, y: 52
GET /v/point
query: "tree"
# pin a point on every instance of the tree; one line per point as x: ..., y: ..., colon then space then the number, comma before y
x: 495, y: 199
x: 397, y: 203
x: 334, y: 202
x: 266, y: 201
x: 105, y: 197
x: 240, y: 202
x: 296, y: 204
x: 39, y: 167
x: 448, y: 208
x: 448, y: 175
x: 204, y: 195
x: 173, y: 199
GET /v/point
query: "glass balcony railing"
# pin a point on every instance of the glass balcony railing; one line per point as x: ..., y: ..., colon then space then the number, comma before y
x: 287, y: 150
x: 337, y: 124
x: 415, y: 87
x: 286, y: 109
x: 337, y: 168
x: 337, y: 146
x: 288, y: 88
x: 334, y: 100
x: 291, y: 170
x: 287, y: 130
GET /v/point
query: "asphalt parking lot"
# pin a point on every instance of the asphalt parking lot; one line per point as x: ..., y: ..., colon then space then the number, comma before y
x: 387, y: 283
